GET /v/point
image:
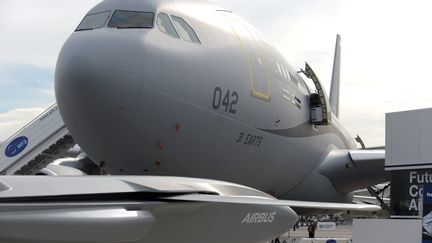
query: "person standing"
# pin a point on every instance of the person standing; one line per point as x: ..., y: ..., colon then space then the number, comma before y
x: 276, y: 240
x: 311, y: 230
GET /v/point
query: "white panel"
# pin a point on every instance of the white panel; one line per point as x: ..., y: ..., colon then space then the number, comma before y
x: 41, y: 132
x: 426, y: 137
x: 409, y: 139
x: 388, y: 137
x: 387, y: 230
x: 404, y: 141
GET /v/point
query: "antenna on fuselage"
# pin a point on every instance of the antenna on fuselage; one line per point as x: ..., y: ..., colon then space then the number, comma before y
x: 335, y: 81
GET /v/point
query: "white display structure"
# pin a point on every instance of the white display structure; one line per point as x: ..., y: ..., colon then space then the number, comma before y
x: 409, y: 140
x: 387, y: 230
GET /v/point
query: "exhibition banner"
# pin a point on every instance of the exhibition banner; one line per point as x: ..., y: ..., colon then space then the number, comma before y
x: 427, y: 214
x: 406, y: 192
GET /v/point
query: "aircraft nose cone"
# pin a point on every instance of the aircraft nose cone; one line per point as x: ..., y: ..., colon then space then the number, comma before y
x: 94, y: 101
x: 82, y: 84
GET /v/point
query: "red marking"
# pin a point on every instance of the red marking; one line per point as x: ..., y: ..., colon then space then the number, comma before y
x: 157, y: 164
x: 161, y: 146
x: 178, y: 126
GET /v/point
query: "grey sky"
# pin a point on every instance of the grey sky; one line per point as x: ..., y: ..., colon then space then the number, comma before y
x: 385, y: 55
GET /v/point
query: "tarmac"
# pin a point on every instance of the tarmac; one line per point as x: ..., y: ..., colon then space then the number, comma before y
x: 343, y: 233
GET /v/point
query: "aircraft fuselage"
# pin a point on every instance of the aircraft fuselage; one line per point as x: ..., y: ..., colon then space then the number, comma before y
x: 227, y: 107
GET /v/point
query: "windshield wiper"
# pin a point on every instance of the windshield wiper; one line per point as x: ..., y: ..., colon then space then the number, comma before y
x: 136, y: 27
x: 84, y: 29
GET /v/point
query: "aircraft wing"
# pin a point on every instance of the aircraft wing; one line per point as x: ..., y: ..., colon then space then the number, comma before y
x: 136, y: 209
x: 351, y: 170
x: 334, y: 206
x: 267, y: 201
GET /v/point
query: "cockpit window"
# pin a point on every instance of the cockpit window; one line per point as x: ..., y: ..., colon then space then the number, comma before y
x: 165, y: 25
x: 93, y: 21
x: 186, y: 32
x: 131, y: 19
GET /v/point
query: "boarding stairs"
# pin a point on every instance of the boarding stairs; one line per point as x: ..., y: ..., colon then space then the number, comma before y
x: 36, y: 145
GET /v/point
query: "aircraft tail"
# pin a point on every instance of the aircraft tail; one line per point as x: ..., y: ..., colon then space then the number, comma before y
x: 335, y: 81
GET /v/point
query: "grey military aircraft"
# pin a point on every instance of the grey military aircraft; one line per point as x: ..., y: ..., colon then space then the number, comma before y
x: 187, y: 88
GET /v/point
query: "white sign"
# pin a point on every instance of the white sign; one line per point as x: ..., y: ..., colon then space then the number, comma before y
x: 326, y: 226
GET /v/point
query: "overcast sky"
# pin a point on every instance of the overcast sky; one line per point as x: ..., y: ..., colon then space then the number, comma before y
x: 386, y: 51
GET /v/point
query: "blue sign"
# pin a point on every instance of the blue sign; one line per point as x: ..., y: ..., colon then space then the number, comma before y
x: 16, y: 146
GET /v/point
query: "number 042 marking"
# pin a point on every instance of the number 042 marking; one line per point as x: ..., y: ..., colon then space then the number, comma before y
x: 226, y: 99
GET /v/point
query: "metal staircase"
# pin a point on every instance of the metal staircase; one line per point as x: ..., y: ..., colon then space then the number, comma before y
x: 36, y: 145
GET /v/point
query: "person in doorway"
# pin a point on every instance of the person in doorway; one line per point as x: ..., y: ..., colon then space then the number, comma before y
x: 311, y: 230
